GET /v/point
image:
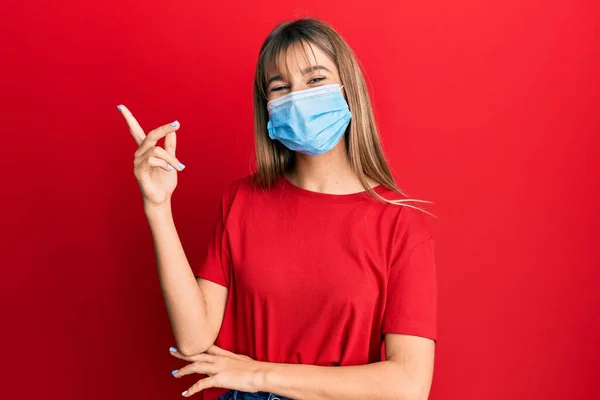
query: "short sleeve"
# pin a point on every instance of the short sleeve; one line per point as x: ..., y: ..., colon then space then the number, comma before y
x: 215, y: 266
x: 411, y: 302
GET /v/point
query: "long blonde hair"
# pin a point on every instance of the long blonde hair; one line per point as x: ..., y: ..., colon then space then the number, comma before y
x: 362, y: 139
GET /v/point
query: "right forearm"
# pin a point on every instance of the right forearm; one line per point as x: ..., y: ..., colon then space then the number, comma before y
x: 184, y: 300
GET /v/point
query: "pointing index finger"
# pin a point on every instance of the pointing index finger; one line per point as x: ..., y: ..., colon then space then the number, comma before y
x: 134, y: 127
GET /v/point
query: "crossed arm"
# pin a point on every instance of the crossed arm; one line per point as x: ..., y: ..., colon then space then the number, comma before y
x: 406, y: 374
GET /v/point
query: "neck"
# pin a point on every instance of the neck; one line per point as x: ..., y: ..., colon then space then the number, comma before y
x: 328, y: 173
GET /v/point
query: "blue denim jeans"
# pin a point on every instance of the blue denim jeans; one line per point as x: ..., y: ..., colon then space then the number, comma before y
x: 237, y: 395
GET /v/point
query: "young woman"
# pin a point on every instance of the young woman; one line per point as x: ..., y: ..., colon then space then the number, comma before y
x: 319, y: 267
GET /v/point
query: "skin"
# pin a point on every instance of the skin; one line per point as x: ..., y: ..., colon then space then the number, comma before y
x: 330, y: 172
x: 196, y: 306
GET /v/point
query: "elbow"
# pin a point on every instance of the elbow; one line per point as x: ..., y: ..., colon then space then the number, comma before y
x: 193, y: 342
x: 410, y: 384
x: 193, y: 348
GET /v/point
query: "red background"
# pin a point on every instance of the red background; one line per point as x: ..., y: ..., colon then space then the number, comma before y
x: 489, y: 109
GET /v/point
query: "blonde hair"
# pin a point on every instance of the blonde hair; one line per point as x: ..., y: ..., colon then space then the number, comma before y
x: 362, y: 139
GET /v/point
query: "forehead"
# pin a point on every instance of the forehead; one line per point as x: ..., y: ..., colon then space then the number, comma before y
x: 296, y: 58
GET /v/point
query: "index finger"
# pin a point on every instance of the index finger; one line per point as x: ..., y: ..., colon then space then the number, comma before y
x: 134, y: 127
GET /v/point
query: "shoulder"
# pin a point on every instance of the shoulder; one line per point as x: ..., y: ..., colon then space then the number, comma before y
x: 243, y: 186
x: 410, y: 219
x: 240, y: 189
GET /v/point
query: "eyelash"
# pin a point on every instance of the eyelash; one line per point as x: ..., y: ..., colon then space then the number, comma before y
x: 313, y: 80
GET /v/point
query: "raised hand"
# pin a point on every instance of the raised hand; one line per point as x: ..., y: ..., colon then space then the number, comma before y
x: 154, y: 167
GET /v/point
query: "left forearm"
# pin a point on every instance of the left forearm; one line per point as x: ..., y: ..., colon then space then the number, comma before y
x: 381, y: 380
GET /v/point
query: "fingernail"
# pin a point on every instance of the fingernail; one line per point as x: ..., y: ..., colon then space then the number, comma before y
x: 184, y: 393
x: 174, y: 371
x: 171, y: 167
x: 172, y: 349
x: 118, y: 108
x: 174, y: 123
x: 180, y: 165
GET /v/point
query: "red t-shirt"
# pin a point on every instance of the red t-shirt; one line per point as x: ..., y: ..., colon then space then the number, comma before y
x: 317, y: 278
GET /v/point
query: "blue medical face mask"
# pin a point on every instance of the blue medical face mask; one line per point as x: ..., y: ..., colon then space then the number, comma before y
x: 311, y: 121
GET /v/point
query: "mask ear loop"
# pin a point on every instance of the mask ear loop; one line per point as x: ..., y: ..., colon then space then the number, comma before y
x: 342, y: 93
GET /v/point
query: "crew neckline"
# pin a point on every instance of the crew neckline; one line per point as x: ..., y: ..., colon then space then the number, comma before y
x: 328, y: 197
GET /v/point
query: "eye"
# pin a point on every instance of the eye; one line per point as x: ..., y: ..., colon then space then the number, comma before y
x: 316, y: 79
x: 278, y: 88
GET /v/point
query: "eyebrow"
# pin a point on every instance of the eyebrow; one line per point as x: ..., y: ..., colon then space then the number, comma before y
x: 304, y: 72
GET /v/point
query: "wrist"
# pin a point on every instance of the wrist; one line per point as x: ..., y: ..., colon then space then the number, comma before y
x: 260, y: 376
x: 160, y: 211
